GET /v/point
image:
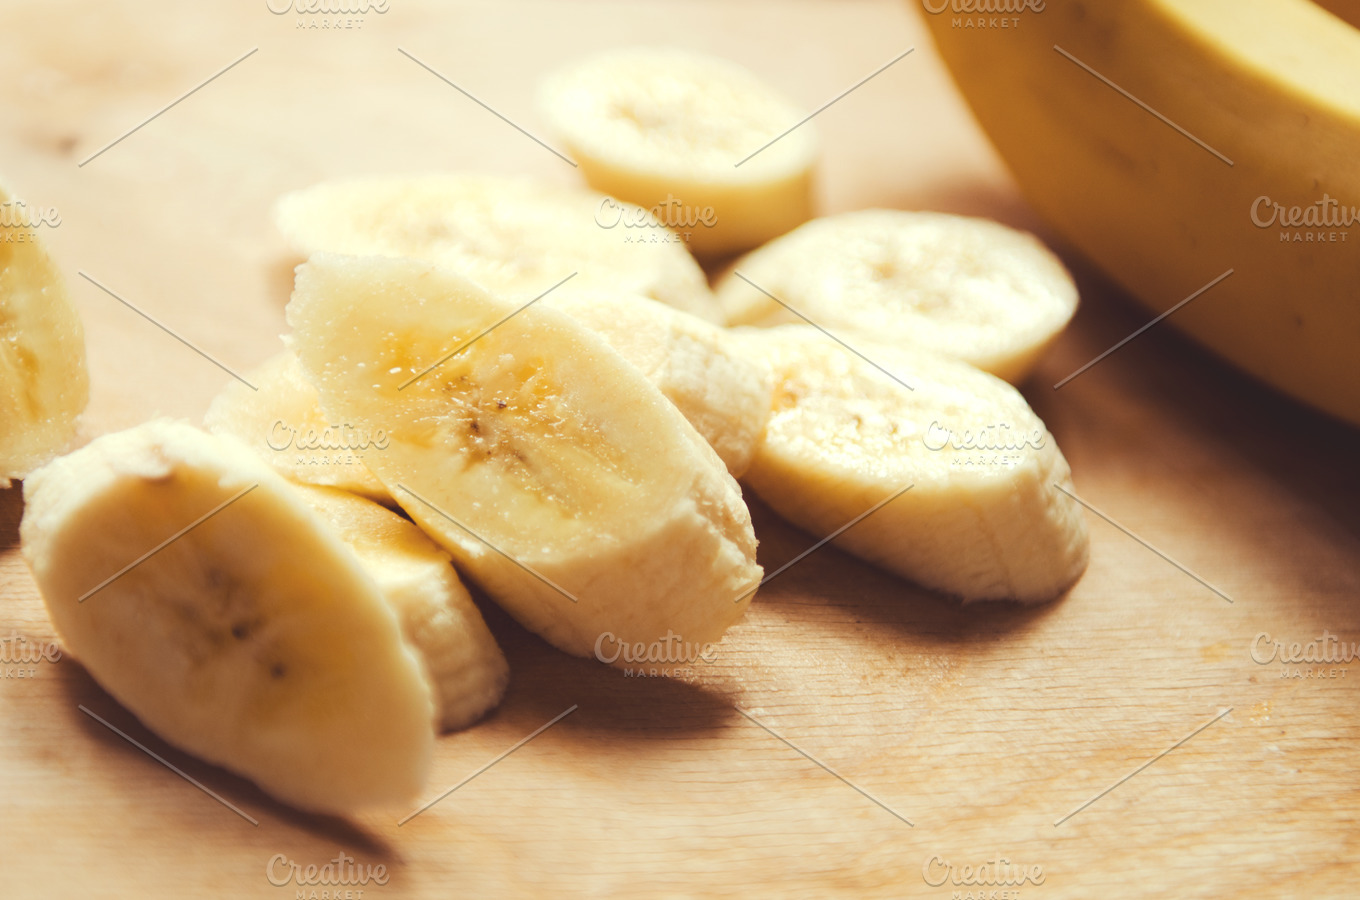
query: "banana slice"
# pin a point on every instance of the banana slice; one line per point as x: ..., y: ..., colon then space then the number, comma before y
x: 515, y: 236
x: 437, y: 615
x: 254, y: 640
x: 44, y: 384
x: 716, y: 385
x: 675, y: 132
x: 559, y: 479
x: 283, y: 423
x: 967, y: 288
x: 983, y: 517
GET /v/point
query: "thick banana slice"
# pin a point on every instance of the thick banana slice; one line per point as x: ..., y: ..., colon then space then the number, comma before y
x: 721, y: 389
x: 561, y: 481
x: 282, y: 422
x: 437, y: 615
x: 962, y: 287
x: 253, y: 639
x: 44, y: 384
x: 675, y: 131
x: 513, y: 235
x: 983, y: 518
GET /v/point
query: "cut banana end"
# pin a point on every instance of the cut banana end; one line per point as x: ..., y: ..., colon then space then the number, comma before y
x: 253, y: 639
x: 438, y: 618
x: 972, y: 473
x: 682, y: 134
x: 44, y: 385
x: 559, y: 479
x: 962, y: 287
x: 283, y: 423
x: 720, y: 389
x: 514, y: 236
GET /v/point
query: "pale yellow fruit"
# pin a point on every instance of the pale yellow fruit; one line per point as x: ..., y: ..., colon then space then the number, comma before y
x: 968, y: 477
x: 515, y: 236
x: 254, y: 640
x: 557, y: 476
x: 958, y: 286
x: 681, y: 134
x: 44, y: 384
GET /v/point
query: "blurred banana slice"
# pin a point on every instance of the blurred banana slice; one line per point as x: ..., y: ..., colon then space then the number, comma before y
x: 968, y: 288
x: 966, y: 474
x: 254, y: 639
x: 44, y: 384
x: 437, y: 615
x: 515, y: 236
x: 557, y: 476
x: 675, y: 132
x: 716, y: 385
x: 283, y: 423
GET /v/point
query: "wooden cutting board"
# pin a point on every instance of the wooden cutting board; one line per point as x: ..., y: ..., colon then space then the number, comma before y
x: 958, y: 736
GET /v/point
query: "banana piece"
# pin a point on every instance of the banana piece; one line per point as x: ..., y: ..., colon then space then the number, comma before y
x: 1277, y: 95
x: 675, y: 131
x: 283, y: 423
x: 958, y: 286
x: 438, y: 618
x: 44, y: 384
x: 982, y: 519
x: 560, y: 480
x: 514, y: 236
x: 721, y: 390
x: 254, y: 640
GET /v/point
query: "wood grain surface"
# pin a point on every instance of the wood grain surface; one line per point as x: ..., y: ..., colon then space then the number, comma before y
x: 942, y: 735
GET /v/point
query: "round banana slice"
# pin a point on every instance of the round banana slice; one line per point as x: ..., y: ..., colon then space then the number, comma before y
x: 963, y: 479
x: 281, y: 420
x: 203, y: 593
x: 515, y: 236
x: 438, y: 618
x: 693, y: 138
x: 557, y: 476
x: 962, y: 287
x: 44, y: 384
x: 722, y: 390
